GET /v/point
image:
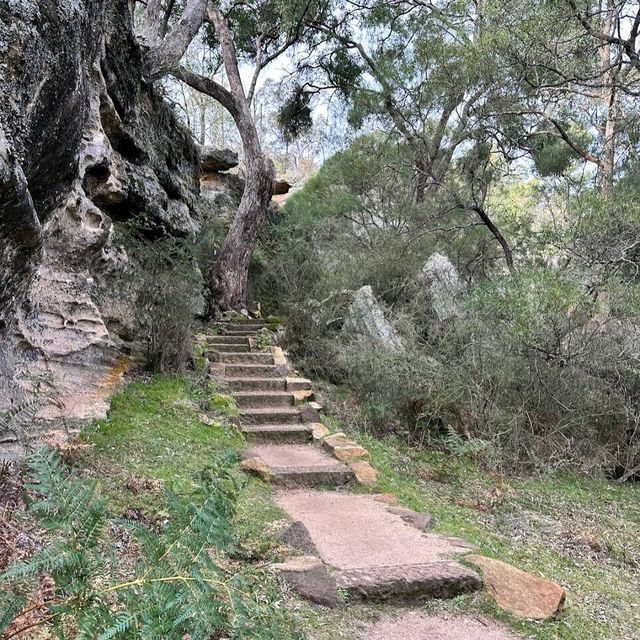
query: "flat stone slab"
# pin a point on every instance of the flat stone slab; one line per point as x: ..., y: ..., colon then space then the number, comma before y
x: 292, y: 456
x: 359, y: 532
x: 415, y: 625
x: 409, y: 582
x: 293, y: 465
x: 376, y: 555
x: 520, y: 593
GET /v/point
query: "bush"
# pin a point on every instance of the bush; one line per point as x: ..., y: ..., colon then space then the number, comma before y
x: 169, y: 289
x: 540, y: 370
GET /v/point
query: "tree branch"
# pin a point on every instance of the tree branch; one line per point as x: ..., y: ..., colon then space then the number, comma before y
x: 166, y: 55
x: 152, y: 23
x: 209, y: 87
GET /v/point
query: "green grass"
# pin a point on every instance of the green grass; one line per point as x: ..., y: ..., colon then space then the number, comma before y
x: 580, y: 532
x: 153, y: 435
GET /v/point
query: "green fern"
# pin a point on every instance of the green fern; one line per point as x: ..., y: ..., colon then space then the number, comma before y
x: 175, y: 586
x: 15, y: 422
x: 463, y: 448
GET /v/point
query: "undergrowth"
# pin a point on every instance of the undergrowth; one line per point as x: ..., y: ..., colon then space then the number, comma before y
x: 141, y: 537
x: 577, y: 531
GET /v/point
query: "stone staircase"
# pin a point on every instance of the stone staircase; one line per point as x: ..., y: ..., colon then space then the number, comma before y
x: 341, y: 542
x: 291, y: 448
x: 265, y: 393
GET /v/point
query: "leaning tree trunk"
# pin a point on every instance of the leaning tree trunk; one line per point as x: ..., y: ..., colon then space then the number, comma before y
x: 609, y: 100
x: 228, y: 276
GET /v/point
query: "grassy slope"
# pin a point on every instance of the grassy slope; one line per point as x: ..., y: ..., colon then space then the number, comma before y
x: 582, y: 533
x: 153, y: 438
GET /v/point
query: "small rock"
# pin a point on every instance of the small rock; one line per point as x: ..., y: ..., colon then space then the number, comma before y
x: 344, y: 449
x: 302, y: 395
x: 365, y: 473
x: 297, y: 537
x: 279, y: 358
x: 208, y: 420
x: 308, y: 576
x: 309, y: 413
x: 319, y: 431
x: 258, y: 467
x: 520, y: 593
x: 316, y: 405
x: 420, y: 521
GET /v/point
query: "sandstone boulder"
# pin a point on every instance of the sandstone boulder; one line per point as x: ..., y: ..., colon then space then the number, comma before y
x: 214, y: 160
x: 366, y: 318
x: 520, y: 593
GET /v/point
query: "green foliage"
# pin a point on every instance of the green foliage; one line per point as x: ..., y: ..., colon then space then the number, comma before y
x: 174, y: 584
x: 164, y: 280
x: 294, y: 117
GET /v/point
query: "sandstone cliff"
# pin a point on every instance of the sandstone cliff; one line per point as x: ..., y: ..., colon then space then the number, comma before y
x: 87, y: 152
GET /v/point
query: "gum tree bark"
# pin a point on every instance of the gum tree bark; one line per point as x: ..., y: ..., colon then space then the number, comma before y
x: 228, y: 276
x: 165, y: 54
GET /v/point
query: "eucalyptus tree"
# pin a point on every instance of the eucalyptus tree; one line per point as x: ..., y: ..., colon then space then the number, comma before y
x: 572, y: 68
x: 426, y: 72
x: 250, y: 34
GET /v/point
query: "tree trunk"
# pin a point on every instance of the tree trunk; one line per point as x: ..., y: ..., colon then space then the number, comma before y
x: 497, y: 234
x: 167, y: 53
x: 228, y: 277
x: 203, y: 122
x: 424, y: 182
x: 609, y: 100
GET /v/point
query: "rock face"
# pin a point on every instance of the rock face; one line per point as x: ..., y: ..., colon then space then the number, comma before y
x: 366, y: 318
x: 445, y: 286
x: 518, y: 592
x: 91, y: 160
x: 214, y: 160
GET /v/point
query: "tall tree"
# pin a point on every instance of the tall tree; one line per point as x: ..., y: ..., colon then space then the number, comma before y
x: 253, y: 33
x: 573, y: 79
x: 423, y: 70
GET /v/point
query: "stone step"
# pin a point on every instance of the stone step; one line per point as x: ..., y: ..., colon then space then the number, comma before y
x: 229, y: 348
x: 257, y: 384
x: 299, y: 465
x: 211, y: 340
x: 411, y: 583
x: 278, y: 433
x: 376, y: 554
x: 249, y: 321
x: 252, y: 371
x: 246, y: 358
x: 240, y: 332
x: 249, y: 399
x: 274, y: 415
